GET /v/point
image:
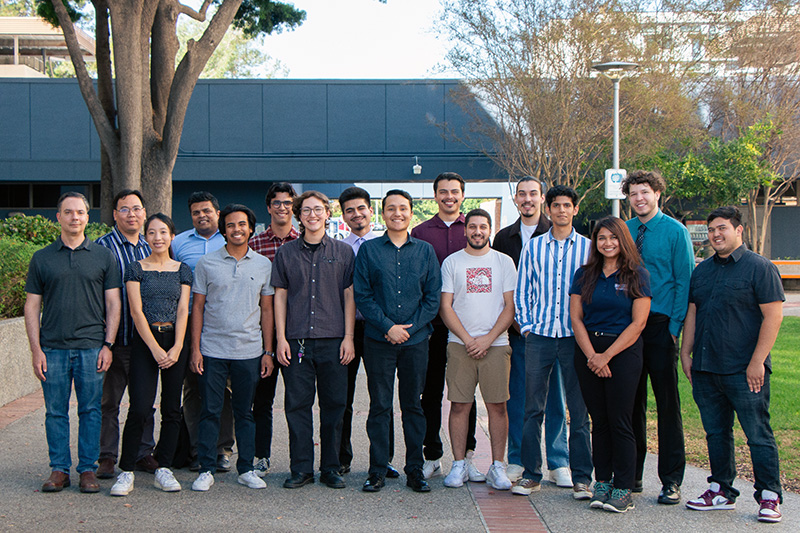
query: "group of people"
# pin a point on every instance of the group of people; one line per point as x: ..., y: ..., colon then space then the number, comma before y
x: 543, y: 319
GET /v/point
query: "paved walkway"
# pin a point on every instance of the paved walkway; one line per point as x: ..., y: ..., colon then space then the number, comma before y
x: 229, y: 506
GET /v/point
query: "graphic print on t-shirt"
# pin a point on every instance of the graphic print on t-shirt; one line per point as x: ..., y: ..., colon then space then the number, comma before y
x: 479, y: 279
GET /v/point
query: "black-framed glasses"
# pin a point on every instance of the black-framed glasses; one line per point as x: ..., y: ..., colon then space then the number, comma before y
x: 277, y: 204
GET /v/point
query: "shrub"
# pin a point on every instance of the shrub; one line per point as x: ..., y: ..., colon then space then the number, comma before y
x: 34, y: 230
x: 14, y: 259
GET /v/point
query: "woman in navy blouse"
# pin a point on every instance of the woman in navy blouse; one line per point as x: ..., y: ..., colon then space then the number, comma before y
x: 609, y: 305
x: 158, y: 294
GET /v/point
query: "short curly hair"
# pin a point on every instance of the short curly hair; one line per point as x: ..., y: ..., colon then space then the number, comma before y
x: 650, y: 177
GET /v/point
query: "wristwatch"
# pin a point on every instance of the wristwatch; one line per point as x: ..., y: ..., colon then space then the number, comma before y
x: 110, y: 345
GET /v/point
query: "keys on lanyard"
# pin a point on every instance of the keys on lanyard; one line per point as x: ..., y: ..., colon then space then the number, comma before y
x: 301, y: 352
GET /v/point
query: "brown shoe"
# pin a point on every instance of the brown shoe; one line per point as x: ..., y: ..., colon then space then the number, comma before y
x: 105, y: 470
x: 56, y: 482
x: 89, y: 482
x: 147, y: 464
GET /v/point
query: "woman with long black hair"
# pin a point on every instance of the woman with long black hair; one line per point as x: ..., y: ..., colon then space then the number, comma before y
x: 609, y: 305
x: 158, y: 294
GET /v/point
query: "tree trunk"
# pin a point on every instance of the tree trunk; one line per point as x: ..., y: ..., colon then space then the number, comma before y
x: 105, y: 92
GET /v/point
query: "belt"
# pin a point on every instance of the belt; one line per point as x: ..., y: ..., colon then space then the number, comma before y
x: 601, y: 334
x: 163, y: 329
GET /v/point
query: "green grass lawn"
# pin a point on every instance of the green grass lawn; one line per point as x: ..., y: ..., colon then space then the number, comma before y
x: 784, y: 412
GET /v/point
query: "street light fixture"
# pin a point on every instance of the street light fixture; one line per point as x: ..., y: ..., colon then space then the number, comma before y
x: 615, y: 71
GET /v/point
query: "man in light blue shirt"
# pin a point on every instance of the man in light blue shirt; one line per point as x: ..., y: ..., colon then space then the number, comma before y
x: 546, y: 267
x: 667, y: 253
x: 188, y: 247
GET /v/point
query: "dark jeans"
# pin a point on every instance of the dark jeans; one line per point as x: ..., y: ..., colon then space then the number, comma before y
x: 144, y: 373
x: 381, y: 360
x: 193, y: 406
x: 433, y: 393
x: 540, y: 355
x: 661, y: 364
x: 610, y: 404
x: 244, y: 375
x: 346, y: 447
x: 262, y: 412
x: 113, y: 388
x: 320, y: 371
x: 719, y: 397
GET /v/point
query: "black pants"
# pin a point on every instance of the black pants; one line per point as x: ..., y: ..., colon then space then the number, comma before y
x: 610, y: 405
x: 262, y: 412
x: 346, y: 447
x: 319, y: 371
x: 433, y: 393
x: 143, y: 374
x: 660, y: 362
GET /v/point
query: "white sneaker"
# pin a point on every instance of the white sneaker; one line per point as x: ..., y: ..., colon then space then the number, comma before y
x: 124, y: 484
x: 203, y: 482
x: 561, y: 477
x: 262, y: 466
x: 431, y: 468
x: 475, y: 475
x: 497, y: 477
x: 457, y: 476
x: 252, y: 480
x: 514, y: 472
x: 165, y: 480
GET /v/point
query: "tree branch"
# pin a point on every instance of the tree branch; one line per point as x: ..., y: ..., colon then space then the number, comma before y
x: 199, y: 15
x: 105, y: 129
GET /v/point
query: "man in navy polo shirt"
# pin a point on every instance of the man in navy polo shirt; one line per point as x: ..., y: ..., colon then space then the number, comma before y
x: 735, y: 313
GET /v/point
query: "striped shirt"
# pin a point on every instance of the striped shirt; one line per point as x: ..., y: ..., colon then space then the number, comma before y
x: 546, y: 268
x: 125, y: 252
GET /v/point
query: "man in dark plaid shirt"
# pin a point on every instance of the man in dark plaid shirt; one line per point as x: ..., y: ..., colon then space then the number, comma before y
x: 279, y: 232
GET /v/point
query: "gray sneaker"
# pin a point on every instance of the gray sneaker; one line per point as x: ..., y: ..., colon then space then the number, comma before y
x: 620, y: 501
x: 602, y: 490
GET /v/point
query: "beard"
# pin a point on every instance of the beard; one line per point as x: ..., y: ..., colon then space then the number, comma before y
x: 480, y: 246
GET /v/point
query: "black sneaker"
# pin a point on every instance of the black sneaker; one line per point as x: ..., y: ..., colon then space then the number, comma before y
x: 620, y: 501
x: 374, y: 483
x: 344, y: 469
x: 333, y: 479
x: 417, y: 481
x: 670, y: 494
x: 638, y: 486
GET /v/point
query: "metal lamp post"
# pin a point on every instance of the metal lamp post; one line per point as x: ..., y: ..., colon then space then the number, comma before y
x: 615, y: 71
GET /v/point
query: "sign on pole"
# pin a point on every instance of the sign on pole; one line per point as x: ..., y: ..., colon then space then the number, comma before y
x: 614, y: 179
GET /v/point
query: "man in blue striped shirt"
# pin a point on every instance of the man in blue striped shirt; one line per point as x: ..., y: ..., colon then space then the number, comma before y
x: 128, y: 245
x: 546, y: 267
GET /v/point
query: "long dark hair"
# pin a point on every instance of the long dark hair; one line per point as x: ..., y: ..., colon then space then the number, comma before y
x: 629, y: 261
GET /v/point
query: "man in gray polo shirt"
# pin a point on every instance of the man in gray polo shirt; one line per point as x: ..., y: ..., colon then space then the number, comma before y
x: 231, y: 325
x: 75, y: 284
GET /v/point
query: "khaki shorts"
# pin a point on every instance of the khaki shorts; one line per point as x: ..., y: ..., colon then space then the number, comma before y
x: 465, y: 373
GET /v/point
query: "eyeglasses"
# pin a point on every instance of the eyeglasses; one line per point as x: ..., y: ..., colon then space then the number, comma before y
x: 277, y: 204
x: 135, y: 210
x: 318, y: 210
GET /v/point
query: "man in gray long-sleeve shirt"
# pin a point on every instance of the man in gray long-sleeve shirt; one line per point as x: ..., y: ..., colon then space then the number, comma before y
x: 397, y: 288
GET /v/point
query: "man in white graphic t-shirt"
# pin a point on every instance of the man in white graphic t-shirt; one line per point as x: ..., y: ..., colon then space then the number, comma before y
x: 477, y: 307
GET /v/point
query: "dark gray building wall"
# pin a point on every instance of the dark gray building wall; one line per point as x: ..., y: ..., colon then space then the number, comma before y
x: 785, y: 232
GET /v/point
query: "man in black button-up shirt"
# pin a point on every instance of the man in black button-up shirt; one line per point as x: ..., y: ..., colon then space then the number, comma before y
x: 397, y: 286
x: 735, y: 313
x: 314, y: 320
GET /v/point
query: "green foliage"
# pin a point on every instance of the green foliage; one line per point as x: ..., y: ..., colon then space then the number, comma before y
x: 36, y: 230
x: 44, y: 8
x: 265, y: 16
x: 95, y: 230
x: 14, y: 259
x: 18, y: 8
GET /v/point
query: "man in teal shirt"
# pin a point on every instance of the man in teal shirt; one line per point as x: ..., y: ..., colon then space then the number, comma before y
x: 667, y: 254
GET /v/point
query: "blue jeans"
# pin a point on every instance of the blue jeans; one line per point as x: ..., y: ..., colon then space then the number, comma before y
x: 719, y: 397
x: 244, y: 375
x: 541, y: 353
x: 63, y: 368
x: 555, y: 411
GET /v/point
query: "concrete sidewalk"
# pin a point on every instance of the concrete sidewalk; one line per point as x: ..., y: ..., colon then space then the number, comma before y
x: 230, y: 506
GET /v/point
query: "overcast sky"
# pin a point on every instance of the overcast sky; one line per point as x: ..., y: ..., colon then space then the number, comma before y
x: 362, y: 39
